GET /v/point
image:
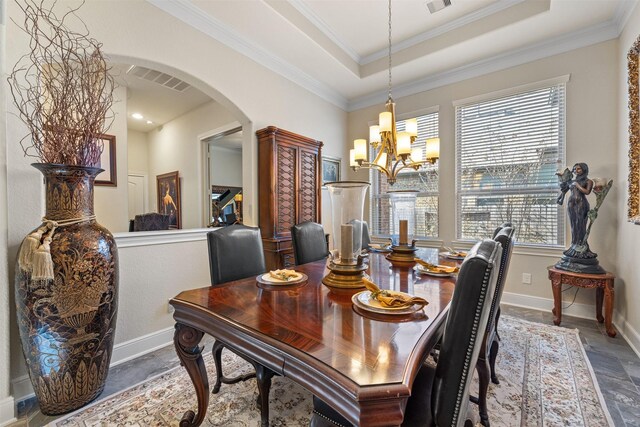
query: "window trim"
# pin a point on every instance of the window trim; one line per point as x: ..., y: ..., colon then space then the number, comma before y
x: 524, y: 248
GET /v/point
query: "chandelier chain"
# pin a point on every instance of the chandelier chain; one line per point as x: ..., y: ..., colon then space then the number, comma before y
x: 390, y: 49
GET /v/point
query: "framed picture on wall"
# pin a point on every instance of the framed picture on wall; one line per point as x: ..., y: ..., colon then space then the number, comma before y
x: 108, y: 162
x: 168, y: 195
x: 330, y: 169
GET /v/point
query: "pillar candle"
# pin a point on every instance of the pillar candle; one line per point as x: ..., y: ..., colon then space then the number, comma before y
x: 404, y: 231
x: 346, y: 243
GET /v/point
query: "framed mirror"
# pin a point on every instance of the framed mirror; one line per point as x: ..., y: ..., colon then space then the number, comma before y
x: 634, y: 133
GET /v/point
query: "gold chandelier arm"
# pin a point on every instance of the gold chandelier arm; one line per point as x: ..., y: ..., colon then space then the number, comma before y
x: 375, y: 166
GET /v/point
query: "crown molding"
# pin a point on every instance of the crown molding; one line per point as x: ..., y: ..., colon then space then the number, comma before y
x: 195, y: 17
x: 442, y: 29
x: 623, y: 12
x: 305, y: 11
x: 565, y: 43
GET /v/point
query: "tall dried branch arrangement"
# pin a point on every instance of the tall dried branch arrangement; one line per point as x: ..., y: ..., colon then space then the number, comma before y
x: 62, y: 88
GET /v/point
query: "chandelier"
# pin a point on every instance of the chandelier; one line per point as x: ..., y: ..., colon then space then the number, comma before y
x: 395, y: 149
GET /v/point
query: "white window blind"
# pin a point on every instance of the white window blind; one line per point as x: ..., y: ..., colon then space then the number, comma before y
x: 508, y: 151
x: 425, y: 181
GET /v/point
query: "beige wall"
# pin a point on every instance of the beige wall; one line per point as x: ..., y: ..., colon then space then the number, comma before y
x: 628, y: 242
x: 591, y: 124
x: 253, y: 96
x: 225, y: 166
x: 6, y: 402
x: 138, y: 152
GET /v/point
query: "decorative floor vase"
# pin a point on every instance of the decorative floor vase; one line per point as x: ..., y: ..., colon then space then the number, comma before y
x: 66, y: 291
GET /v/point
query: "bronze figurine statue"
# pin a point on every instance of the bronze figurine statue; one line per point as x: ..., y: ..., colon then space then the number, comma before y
x: 579, y: 257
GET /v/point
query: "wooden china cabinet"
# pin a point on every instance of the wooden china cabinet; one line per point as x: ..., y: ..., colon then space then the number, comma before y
x: 289, y: 173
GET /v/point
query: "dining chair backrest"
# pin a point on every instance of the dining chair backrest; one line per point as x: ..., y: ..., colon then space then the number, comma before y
x: 235, y: 252
x: 505, y: 238
x: 464, y: 330
x: 309, y: 242
x: 151, y: 221
x: 366, y: 238
x: 500, y: 227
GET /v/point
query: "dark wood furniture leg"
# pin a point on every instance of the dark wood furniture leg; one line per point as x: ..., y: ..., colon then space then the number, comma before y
x: 599, y: 296
x: 218, y: 346
x: 556, y: 285
x: 608, y: 307
x: 263, y: 376
x: 186, y: 340
x: 483, y: 378
x: 493, y: 351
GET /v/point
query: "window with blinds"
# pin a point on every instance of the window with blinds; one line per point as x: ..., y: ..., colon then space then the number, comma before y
x: 425, y: 181
x: 508, y: 151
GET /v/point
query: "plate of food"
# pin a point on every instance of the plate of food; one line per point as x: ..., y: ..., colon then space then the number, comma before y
x: 367, y: 301
x: 282, y: 277
x: 379, y: 247
x: 436, y: 270
x: 454, y: 254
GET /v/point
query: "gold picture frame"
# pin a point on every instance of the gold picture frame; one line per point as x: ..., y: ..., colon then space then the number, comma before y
x: 634, y: 133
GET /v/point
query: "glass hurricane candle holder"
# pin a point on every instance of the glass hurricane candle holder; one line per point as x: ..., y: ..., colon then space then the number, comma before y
x: 403, y: 216
x: 346, y: 266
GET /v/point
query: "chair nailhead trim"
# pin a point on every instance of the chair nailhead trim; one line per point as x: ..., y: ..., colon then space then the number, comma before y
x: 328, y: 419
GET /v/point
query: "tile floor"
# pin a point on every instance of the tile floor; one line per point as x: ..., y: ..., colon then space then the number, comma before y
x: 616, y: 366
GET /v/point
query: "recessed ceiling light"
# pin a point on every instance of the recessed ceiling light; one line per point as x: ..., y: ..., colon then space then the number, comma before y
x: 149, y: 122
x: 137, y: 116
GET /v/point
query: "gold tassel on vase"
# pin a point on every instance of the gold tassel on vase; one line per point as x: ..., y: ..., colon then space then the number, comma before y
x: 42, y: 264
x: 28, y: 248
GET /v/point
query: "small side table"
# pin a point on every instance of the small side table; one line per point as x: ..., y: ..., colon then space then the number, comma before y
x: 603, y: 284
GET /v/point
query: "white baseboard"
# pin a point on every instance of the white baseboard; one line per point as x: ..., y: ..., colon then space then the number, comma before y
x: 122, y: 352
x: 7, y: 411
x: 585, y: 311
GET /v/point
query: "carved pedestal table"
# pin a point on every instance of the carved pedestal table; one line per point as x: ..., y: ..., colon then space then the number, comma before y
x: 604, y: 287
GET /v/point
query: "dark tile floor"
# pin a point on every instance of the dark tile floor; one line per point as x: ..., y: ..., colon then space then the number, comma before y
x: 616, y: 366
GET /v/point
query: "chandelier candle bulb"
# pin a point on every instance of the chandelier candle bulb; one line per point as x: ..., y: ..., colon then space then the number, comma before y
x: 352, y: 158
x: 386, y: 118
x: 411, y: 126
x: 360, y: 146
x: 404, y: 143
x: 404, y: 232
x: 416, y: 154
x: 346, y: 243
x: 433, y: 148
x: 374, y: 134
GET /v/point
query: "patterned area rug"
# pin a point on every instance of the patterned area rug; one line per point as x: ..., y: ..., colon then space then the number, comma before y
x: 545, y: 379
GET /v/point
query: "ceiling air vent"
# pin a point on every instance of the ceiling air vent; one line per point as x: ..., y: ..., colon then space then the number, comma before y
x: 159, y: 78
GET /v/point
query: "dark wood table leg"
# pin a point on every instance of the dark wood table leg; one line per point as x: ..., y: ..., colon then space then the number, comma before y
x: 263, y: 376
x: 599, y: 295
x: 556, y: 285
x: 186, y: 340
x: 608, y: 307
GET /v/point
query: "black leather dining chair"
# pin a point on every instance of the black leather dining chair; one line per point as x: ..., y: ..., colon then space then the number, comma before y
x: 151, y: 221
x: 486, y: 364
x: 309, y: 242
x: 366, y: 237
x: 439, y: 396
x: 500, y: 227
x: 235, y: 252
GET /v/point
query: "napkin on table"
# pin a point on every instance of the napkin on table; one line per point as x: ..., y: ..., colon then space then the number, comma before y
x: 387, y: 299
x: 437, y: 268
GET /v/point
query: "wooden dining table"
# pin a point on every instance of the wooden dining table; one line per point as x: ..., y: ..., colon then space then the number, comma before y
x: 361, y: 363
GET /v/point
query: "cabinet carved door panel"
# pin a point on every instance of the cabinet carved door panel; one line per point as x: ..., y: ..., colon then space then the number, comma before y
x: 308, y: 200
x: 286, y: 197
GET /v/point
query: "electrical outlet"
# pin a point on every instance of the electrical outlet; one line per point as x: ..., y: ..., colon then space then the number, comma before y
x: 526, y: 278
x: 170, y: 308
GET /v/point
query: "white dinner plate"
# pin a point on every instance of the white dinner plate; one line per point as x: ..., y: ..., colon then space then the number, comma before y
x: 423, y: 270
x: 268, y: 279
x: 364, y: 301
x: 452, y: 256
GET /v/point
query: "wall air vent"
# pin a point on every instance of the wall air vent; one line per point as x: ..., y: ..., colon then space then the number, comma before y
x: 159, y: 78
